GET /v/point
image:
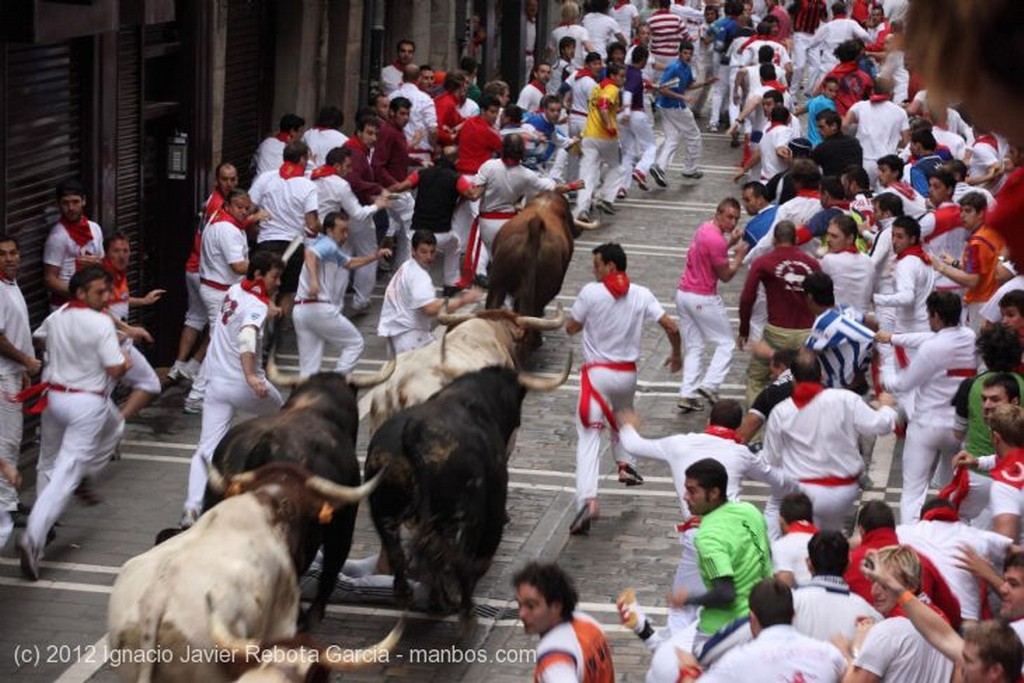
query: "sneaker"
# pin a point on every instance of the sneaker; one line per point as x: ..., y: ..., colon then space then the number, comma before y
x: 713, y: 127
x: 581, y: 522
x: 628, y: 475
x: 175, y: 374
x: 659, y: 176
x: 710, y: 394
x: 695, y: 175
x: 356, y: 311
x: 29, y: 557
x: 188, y: 518
x: 641, y: 179
x: 621, y: 194
x: 192, y: 407
x: 605, y: 207
x: 689, y: 405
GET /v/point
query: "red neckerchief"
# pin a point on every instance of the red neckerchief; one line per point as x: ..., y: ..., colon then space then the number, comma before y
x: 1010, y: 469
x: 290, y: 169
x: 916, y: 250
x: 844, y: 205
x: 848, y: 250
x: 1006, y: 216
x: 941, y: 515
x: 804, y: 393
x: 617, y: 283
x: 398, y: 65
x: 605, y: 82
x: 722, y: 433
x: 258, y: 288
x: 619, y: 4
x: 775, y: 85
x: 957, y: 489
x: 213, y: 204
x: 845, y: 68
x: 284, y: 137
x: 80, y: 232
x: 801, y: 527
x: 989, y: 140
x: 76, y: 303
x: 323, y: 171
x: 536, y: 84
x: 809, y: 194
x: 880, y: 97
x: 903, y: 188
x: 753, y: 39
x: 355, y: 143
x: 226, y: 217
x: 583, y: 73
x: 119, y: 276
x: 4, y: 279
x: 509, y: 163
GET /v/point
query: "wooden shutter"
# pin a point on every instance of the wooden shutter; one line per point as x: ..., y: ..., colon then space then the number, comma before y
x: 243, y: 85
x: 129, y: 195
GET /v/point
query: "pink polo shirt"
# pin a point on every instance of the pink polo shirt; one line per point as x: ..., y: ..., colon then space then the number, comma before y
x: 708, y: 249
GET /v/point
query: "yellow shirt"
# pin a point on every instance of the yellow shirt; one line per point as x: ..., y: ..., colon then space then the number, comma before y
x: 604, y: 97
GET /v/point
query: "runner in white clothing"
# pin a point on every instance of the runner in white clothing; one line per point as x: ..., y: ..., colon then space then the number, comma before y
x: 324, y: 136
x: 610, y: 313
x: 235, y: 359
x: 391, y: 75
x: 74, y: 242
x: 80, y: 424
x: 319, y: 300
x: 270, y: 154
x: 789, y: 552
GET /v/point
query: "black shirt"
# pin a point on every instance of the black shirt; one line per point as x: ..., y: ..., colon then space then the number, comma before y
x: 436, y: 196
x: 837, y: 153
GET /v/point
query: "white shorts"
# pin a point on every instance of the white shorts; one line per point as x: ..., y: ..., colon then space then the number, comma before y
x: 195, y: 314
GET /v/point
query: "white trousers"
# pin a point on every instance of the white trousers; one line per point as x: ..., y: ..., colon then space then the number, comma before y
x: 400, y: 218
x: 703, y: 320
x: 362, y: 241
x: 212, y: 301
x: 317, y: 324
x: 805, y: 61
x: 832, y: 506
x: 638, y: 146
x: 680, y: 125
x: 719, y: 91
x: 926, y: 447
x: 223, y: 399
x: 140, y: 375
x: 11, y: 423
x: 488, y: 229
x: 412, y: 339
x: 78, y: 432
x: 195, y: 315
x: 448, y: 247
x: 617, y: 389
x: 598, y: 153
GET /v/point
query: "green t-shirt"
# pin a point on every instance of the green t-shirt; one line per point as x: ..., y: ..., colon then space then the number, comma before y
x: 978, y: 439
x: 732, y: 541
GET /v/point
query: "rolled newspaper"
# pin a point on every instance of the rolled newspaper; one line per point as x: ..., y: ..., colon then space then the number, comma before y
x: 627, y: 600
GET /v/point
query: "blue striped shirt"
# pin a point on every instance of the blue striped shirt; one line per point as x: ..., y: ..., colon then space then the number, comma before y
x: 843, y: 344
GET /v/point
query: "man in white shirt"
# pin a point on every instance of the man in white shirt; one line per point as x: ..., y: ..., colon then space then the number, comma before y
x: 882, y: 126
x: 610, y: 313
x: 851, y: 270
x: 17, y: 364
x: 80, y: 424
x: 391, y: 75
x: 73, y: 242
x: 570, y: 28
x: 913, y: 278
x: 270, y: 153
x: 829, y: 36
x: 944, y: 357
x: 410, y: 301
x: 627, y: 16
x: 421, y: 130
x: 789, y: 552
x: 813, y: 416
x: 887, y: 208
x: 324, y: 136
x: 889, y: 173
x: 235, y: 358
x: 535, y: 90
x: 601, y: 28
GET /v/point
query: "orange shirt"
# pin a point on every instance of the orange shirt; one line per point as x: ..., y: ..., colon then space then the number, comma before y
x: 981, y: 256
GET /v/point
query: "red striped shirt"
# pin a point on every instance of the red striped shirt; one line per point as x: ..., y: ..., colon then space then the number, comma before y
x: 809, y: 17
x: 667, y: 31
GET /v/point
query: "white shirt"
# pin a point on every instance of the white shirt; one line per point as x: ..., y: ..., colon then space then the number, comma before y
x: 580, y: 93
x: 612, y: 327
x: 748, y: 56
x: 895, y: 652
x: 789, y: 554
x: 913, y: 281
x: 575, y: 31
x: 794, y: 437
x: 222, y: 244
x: 422, y: 116
x: 953, y: 141
x: 990, y: 311
x: 951, y: 242
x: 409, y: 290
x: 778, y: 135
x: 331, y: 260
x: 530, y: 97
x: 825, y: 606
x: 682, y: 450
x: 504, y: 185
x: 914, y: 205
x: 983, y: 157
x: 333, y: 192
x: 940, y: 542
x: 798, y: 209
x: 287, y: 202
x: 852, y: 277
x: 239, y: 310
x: 693, y: 20
x: 62, y: 251
x: 321, y: 141
x: 624, y: 17
x: 1004, y: 499
x: 269, y: 155
x: 938, y: 353
x: 390, y: 79
x: 883, y: 258
x: 602, y: 30
x: 14, y: 326
x: 879, y: 127
x: 80, y: 345
x: 831, y: 33
x: 779, y: 653
x: 563, y: 639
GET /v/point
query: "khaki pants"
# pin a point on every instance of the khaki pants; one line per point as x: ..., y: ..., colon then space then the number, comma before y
x: 758, y: 375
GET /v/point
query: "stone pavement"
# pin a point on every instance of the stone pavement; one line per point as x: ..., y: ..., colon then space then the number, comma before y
x: 54, y: 629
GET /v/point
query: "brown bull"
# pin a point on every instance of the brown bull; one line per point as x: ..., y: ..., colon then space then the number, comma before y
x: 530, y: 255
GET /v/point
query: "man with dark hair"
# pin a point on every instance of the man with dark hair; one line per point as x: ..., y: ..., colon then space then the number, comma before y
x: 324, y: 136
x: 839, y: 336
x: 73, y: 242
x: 537, y: 87
x: 572, y: 646
x: 421, y: 131
x: 889, y: 175
x: 758, y: 205
x: 80, y: 424
x: 236, y: 361
x: 391, y: 75
x: 882, y: 126
x: 886, y: 208
x: 600, y: 145
x: 449, y: 120
x: 772, y: 395
x: 813, y: 416
x: 850, y: 268
x: 789, y: 552
x: 942, y: 228
x: 637, y: 131
x: 779, y: 652
x: 930, y: 382
x: 925, y: 159
x: 799, y: 209
x: 837, y: 150
x: 270, y: 153
x: 679, y: 122
x: 854, y: 83
x: 913, y: 281
x: 610, y: 313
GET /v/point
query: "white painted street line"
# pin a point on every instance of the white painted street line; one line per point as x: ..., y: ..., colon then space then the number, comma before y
x: 67, y: 566
x: 83, y: 669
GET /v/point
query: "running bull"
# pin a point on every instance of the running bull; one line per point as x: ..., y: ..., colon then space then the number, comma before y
x: 242, y: 556
x: 446, y: 479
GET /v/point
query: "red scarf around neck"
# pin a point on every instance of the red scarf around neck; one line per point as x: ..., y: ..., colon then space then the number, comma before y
x: 775, y: 85
x: 722, y: 433
x: 509, y: 163
x: 801, y: 527
x: 226, y: 217
x: 989, y: 140
x: 915, y: 250
x: 941, y: 515
x: 284, y: 137
x: 119, y: 275
x: 5, y: 279
x: 809, y: 194
x: 880, y: 97
x: 617, y: 283
x: 290, y: 169
x: 844, y: 68
x: 258, y: 288
x: 804, y: 393
x: 80, y: 232
x: 1010, y: 469
x: 323, y: 171
x: 848, y: 250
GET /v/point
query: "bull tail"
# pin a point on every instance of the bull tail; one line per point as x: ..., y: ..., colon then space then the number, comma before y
x: 526, y: 297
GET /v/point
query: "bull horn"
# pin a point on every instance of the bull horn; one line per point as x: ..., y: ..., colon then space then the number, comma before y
x: 349, y: 660
x: 543, y: 324
x: 343, y: 494
x: 275, y: 376
x: 534, y: 383
x: 214, y: 479
x: 366, y: 380
x: 448, y: 319
x: 446, y: 369
x: 586, y: 225
x: 224, y: 639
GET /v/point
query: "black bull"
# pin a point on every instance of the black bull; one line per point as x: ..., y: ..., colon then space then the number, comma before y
x: 447, y: 477
x: 317, y: 428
